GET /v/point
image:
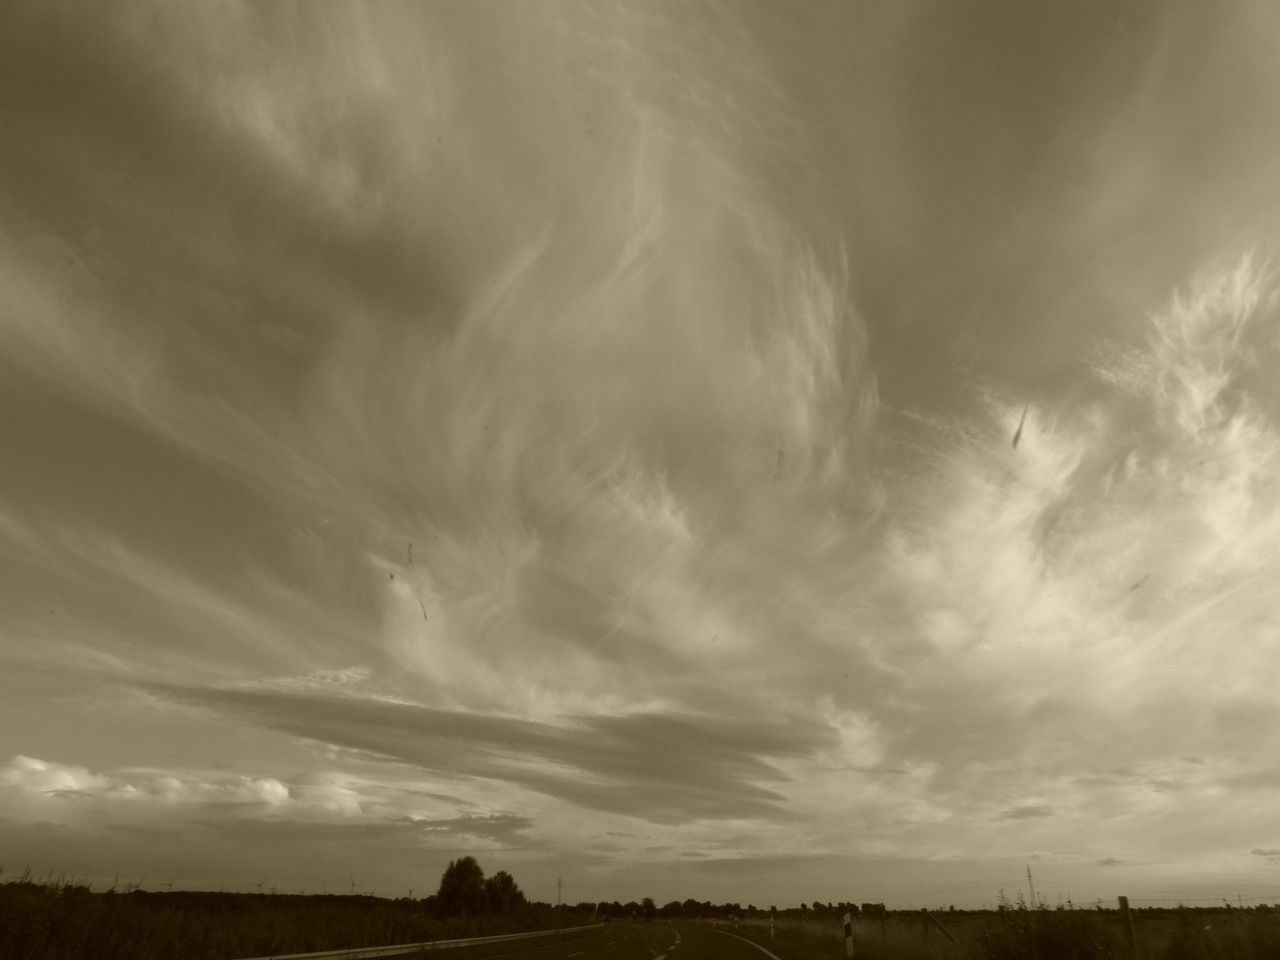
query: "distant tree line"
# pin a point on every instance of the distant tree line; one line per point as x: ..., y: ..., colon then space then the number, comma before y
x: 465, y: 891
x: 690, y: 909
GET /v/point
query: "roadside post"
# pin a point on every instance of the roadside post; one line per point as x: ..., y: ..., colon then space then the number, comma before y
x: 848, y: 935
x: 1127, y: 917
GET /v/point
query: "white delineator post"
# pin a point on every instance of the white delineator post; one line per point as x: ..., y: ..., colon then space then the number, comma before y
x: 848, y: 935
x: 771, y: 928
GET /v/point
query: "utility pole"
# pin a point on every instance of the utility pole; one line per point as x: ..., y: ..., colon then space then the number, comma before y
x: 559, y: 890
x: 1032, y: 887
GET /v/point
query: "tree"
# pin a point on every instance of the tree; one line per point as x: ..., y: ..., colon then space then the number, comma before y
x: 504, y: 894
x: 462, y: 888
x: 648, y: 908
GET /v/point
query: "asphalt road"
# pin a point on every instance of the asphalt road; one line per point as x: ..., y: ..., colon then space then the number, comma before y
x: 620, y: 941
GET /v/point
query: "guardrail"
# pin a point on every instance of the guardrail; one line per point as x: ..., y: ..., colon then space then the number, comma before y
x: 359, y: 953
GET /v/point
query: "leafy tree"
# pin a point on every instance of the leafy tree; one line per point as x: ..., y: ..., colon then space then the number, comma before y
x: 648, y: 908
x: 504, y: 894
x: 462, y: 888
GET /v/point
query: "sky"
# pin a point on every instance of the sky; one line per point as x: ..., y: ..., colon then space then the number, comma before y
x: 722, y: 449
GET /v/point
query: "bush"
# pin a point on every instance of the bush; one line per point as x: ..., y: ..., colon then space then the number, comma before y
x: 1043, y: 934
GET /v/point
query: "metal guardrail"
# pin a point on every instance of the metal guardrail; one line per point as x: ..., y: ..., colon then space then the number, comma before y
x: 358, y: 953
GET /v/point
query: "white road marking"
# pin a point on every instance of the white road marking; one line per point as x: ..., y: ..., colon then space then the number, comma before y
x: 578, y: 954
x: 767, y: 953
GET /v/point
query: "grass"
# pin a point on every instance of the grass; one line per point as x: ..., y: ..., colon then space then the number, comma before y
x: 58, y: 920
x: 1027, y: 934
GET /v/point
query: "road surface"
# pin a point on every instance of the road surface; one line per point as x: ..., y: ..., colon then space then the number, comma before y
x: 619, y: 941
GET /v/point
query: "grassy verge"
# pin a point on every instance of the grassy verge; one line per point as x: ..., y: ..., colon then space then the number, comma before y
x: 1174, y: 934
x: 61, y: 921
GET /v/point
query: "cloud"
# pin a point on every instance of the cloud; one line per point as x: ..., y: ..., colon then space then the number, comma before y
x: 533, y: 487
x: 503, y: 828
x: 1259, y: 852
x: 1060, y: 605
x: 282, y: 810
x: 515, y: 436
x: 1027, y: 811
x: 33, y: 776
x: 568, y: 441
x: 107, y: 588
x: 497, y: 832
x: 663, y: 768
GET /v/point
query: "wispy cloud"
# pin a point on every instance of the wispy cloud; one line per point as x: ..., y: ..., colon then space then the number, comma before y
x: 1027, y: 811
x: 664, y: 768
x: 592, y: 432
x: 1123, y: 549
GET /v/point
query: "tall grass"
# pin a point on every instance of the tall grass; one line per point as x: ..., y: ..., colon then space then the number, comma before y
x: 59, y: 920
x: 1023, y: 933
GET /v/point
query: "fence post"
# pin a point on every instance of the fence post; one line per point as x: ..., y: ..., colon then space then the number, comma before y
x: 848, y: 936
x: 938, y: 923
x: 1127, y: 917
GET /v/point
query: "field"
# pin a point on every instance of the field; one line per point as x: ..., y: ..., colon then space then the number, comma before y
x: 64, y: 921
x: 1022, y: 934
